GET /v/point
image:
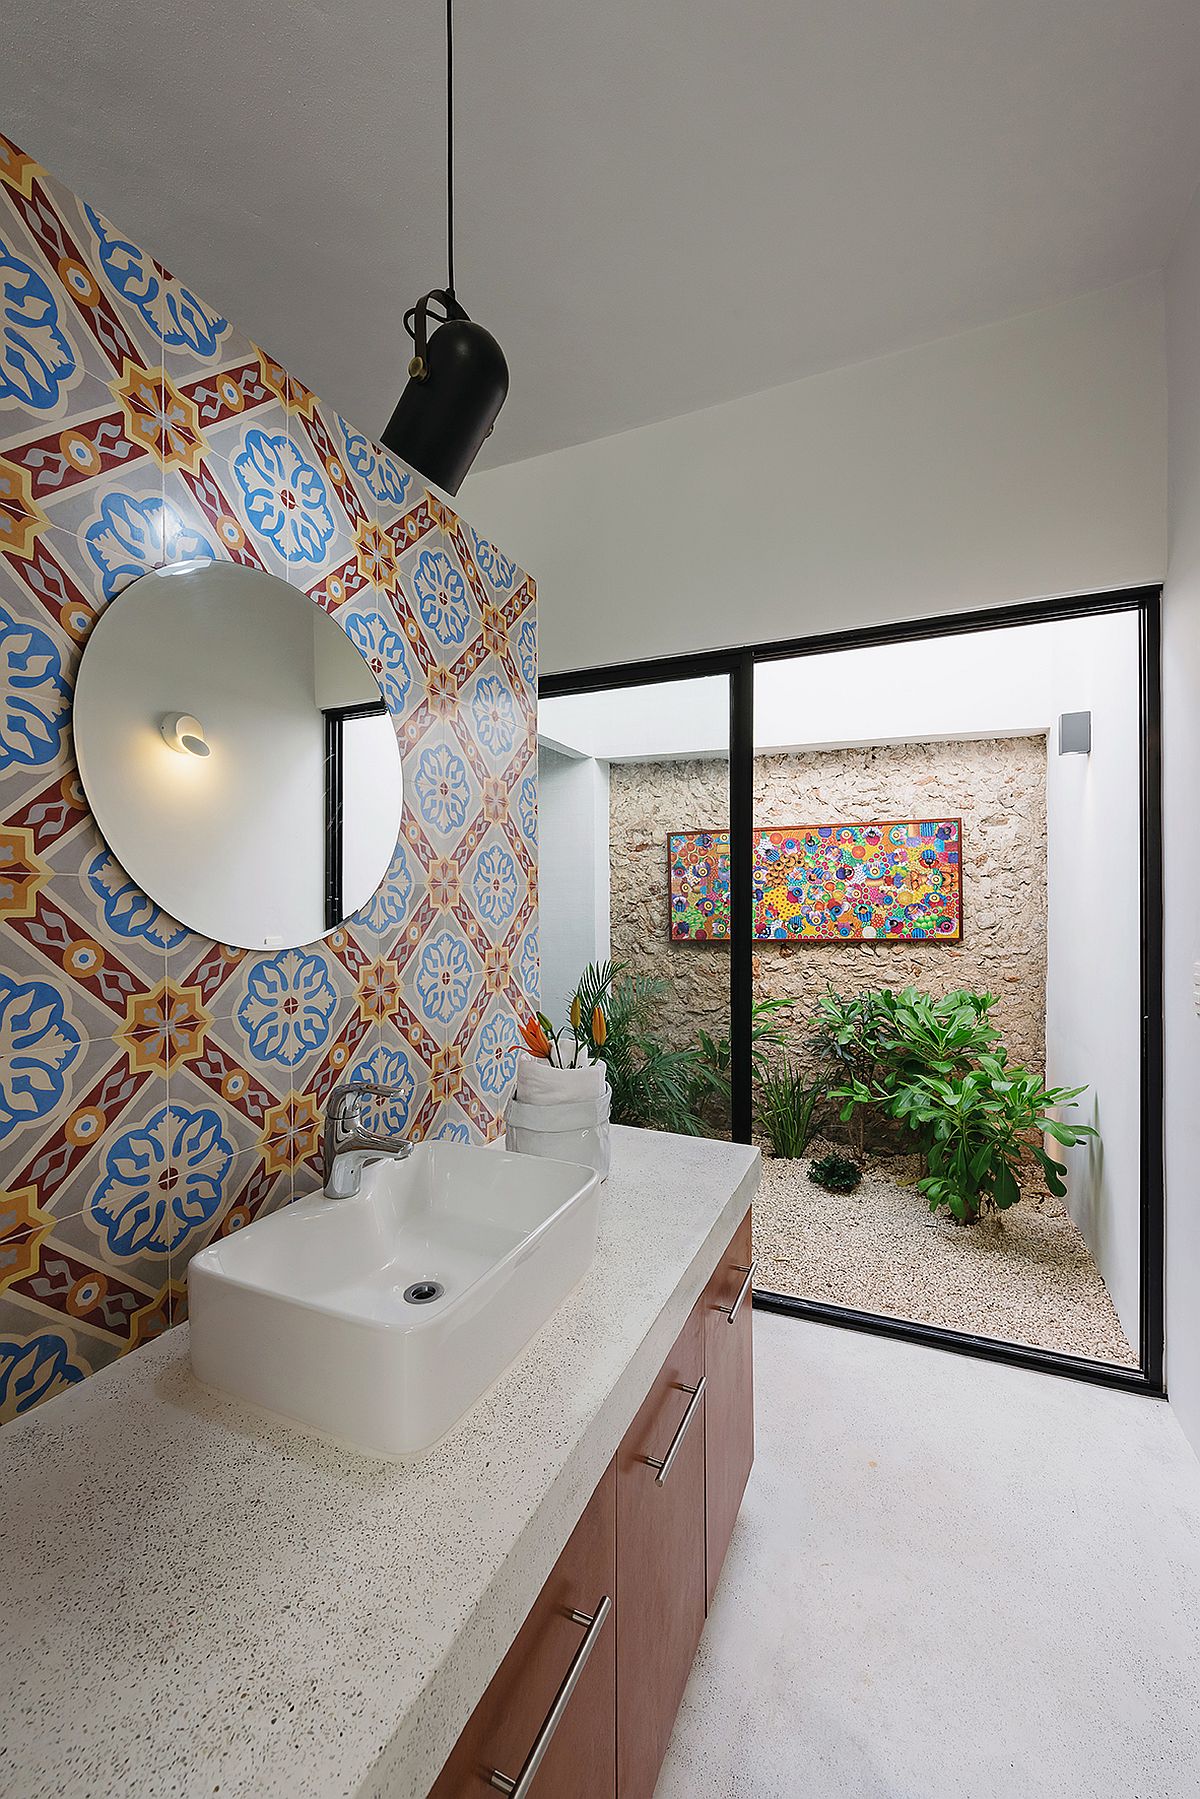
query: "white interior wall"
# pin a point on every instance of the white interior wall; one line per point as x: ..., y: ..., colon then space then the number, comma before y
x: 1009, y: 683
x: 1024, y: 459
x: 1093, y: 977
x: 573, y: 883
x: 1181, y: 790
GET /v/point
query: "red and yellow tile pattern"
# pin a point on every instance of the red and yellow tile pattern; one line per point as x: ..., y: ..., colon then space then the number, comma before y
x: 154, y: 1089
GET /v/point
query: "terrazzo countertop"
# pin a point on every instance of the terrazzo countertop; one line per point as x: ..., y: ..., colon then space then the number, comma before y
x: 197, y: 1600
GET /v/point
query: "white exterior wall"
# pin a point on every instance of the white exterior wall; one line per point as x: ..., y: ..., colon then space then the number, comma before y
x: 573, y: 890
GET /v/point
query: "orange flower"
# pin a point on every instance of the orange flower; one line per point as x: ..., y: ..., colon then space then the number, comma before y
x: 599, y: 1028
x: 536, y: 1039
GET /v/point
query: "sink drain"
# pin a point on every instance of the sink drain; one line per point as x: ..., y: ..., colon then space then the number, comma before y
x: 421, y: 1292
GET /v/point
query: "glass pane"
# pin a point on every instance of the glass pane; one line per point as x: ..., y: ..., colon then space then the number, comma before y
x: 919, y: 835
x: 633, y: 829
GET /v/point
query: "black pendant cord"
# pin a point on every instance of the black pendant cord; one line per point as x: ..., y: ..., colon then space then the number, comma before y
x: 450, y: 148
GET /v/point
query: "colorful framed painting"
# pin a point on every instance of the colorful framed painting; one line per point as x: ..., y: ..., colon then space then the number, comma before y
x: 897, y: 880
x: 698, y: 886
x: 890, y: 880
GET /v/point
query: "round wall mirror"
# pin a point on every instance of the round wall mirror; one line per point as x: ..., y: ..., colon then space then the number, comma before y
x: 237, y: 753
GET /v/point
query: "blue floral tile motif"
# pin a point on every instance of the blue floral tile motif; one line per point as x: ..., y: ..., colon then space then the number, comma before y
x: 286, y: 498
x: 527, y: 807
x: 127, y: 911
x: 389, y: 905
x: 441, y: 596
x: 35, y: 700
x: 382, y: 649
x: 531, y: 966
x: 491, y: 562
x: 288, y: 1006
x: 452, y: 1133
x: 442, y: 788
x: 389, y: 1068
x: 132, y: 536
x: 32, y: 1371
x: 444, y: 978
x: 162, y: 1181
x: 383, y: 479
x: 527, y: 650
x: 496, y: 1055
x: 495, y: 715
x: 494, y: 885
x: 36, y: 356
x: 38, y: 1044
x: 172, y: 312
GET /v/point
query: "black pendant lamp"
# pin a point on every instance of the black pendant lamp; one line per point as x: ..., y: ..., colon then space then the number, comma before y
x: 457, y: 378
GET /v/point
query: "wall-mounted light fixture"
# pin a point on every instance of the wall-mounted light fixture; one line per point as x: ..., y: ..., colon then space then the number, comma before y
x: 1074, y: 733
x: 185, y: 734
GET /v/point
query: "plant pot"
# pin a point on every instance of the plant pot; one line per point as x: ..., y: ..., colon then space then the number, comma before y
x: 561, y: 1113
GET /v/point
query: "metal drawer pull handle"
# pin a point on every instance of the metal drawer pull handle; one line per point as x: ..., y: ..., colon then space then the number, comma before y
x: 664, y: 1467
x: 732, y: 1311
x: 594, y: 1625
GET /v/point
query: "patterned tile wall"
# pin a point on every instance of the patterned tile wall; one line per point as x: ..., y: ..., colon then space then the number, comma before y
x: 158, y: 1089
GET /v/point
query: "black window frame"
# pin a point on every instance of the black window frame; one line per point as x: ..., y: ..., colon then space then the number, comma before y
x: 738, y: 665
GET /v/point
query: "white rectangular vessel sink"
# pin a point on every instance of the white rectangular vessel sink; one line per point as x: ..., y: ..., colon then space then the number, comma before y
x: 379, y: 1320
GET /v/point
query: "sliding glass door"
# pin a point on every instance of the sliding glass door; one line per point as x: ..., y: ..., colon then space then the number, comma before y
x: 881, y: 903
x: 635, y: 889
x: 947, y: 982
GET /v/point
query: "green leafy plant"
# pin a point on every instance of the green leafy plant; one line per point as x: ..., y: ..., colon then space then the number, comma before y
x: 786, y: 1101
x: 713, y: 1090
x: 867, y: 1031
x: 846, y: 1032
x: 652, y: 1085
x: 837, y: 1174
x: 982, y: 1128
x: 884, y: 1038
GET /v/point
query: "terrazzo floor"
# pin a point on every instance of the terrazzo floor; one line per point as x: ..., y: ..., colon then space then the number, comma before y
x: 949, y: 1580
x: 1028, y: 1278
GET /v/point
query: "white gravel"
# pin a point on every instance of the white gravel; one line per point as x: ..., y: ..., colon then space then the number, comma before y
x: 1026, y: 1277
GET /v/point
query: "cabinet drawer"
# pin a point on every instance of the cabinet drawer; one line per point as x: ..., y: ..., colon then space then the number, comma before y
x: 729, y: 1399
x: 580, y: 1761
x: 660, y: 1561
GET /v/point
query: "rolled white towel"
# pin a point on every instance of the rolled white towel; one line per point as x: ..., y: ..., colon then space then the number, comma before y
x: 539, y: 1084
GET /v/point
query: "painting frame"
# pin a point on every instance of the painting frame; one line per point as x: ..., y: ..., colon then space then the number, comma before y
x: 719, y: 931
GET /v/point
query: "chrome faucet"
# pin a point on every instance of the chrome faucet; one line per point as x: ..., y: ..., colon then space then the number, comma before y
x: 347, y: 1144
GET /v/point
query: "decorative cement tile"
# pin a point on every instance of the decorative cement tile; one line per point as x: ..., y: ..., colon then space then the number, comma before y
x: 248, y: 1190
x: 62, y: 1119
x: 41, y: 1354
x: 156, y: 1086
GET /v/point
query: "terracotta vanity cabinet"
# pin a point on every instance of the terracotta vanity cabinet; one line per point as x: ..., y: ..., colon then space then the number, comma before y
x: 729, y: 1400
x: 580, y: 1762
x: 660, y: 1560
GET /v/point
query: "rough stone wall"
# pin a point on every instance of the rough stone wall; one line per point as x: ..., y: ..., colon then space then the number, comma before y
x: 997, y: 788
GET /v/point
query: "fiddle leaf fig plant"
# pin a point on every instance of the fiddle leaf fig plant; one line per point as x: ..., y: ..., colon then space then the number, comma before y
x: 880, y: 1039
x: 982, y: 1127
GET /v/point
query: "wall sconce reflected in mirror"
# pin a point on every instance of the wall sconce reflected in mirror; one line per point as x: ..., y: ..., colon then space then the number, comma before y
x: 1074, y: 733
x: 185, y: 734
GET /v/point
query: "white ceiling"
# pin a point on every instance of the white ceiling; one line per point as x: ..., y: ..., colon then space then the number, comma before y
x: 662, y: 206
